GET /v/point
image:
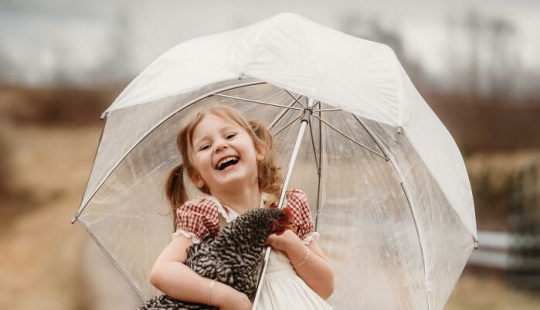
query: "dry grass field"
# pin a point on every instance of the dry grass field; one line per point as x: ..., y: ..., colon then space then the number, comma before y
x: 41, y: 262
x: 474, y: 293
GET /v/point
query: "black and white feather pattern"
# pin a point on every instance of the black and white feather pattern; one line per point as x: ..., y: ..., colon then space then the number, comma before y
x: 233, y: 257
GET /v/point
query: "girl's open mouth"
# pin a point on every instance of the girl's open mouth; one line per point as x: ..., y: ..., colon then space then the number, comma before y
x: 227, y: 162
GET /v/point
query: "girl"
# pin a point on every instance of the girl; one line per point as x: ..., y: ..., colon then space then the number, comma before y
x: 231, y: 160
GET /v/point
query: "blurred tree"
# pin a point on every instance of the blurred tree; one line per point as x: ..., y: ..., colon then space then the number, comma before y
x: 473, y: 26
x: 492, y: 64
x: 118, y: 62
x: 372, y: 28
x: 6, y: 165
x: 457, y: 68
x: 504, y: 67
x: 6, y: 66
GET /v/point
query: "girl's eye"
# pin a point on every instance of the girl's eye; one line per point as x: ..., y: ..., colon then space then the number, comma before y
x: 204, y: 147
x: 230, y: 136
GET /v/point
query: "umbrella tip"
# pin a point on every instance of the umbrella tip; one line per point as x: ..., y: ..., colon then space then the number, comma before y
x: 73, y: 220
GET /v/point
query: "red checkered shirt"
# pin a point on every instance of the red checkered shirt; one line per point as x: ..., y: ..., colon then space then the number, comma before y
x: 200, y: 216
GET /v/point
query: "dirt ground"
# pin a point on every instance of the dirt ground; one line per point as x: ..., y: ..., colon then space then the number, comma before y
x: 488, y: 293
x: 40, y: 267
x: 49, y: 264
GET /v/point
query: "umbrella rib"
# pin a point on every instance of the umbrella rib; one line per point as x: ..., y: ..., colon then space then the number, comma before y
x: 313, y: 146
x: 297, y: 100
x: 259, y: 102
x: 318, y: 161
x: 287, y: 125
x: 277, y: 119
x: 351, y: 139
x: 313, y: 139
x: 372, y: 136
x: 328, y: 110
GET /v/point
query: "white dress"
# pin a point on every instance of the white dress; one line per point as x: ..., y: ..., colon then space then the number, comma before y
x: 283, y: 289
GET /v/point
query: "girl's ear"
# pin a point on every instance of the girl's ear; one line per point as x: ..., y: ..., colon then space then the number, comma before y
x: 197, y: 180
x: 261, y: 152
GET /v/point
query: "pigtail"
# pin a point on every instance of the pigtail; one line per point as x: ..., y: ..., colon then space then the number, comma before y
x: 175, y: 190
x: 270, y: 179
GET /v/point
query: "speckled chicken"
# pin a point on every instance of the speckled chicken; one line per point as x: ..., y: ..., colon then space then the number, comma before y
x: 233, y: 257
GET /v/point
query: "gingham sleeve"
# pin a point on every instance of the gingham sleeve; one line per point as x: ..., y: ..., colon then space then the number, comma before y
x: 298, y: 202
x: 197, y: 219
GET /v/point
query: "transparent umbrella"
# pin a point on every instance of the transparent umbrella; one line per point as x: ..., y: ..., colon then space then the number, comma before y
x: 386, y: 183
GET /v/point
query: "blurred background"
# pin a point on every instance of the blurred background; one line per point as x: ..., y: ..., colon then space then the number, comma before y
x: 63, y: 62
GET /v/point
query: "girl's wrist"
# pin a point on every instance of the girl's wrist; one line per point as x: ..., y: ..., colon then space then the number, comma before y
x: 304, y: 260
x: 293, y: 243
x: 221, y: 293
x: 296, y: 251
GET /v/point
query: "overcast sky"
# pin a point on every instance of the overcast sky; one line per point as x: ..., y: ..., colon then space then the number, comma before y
x: 34, y: 33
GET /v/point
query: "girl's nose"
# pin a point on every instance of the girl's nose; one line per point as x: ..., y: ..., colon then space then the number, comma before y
x: 220, y: 145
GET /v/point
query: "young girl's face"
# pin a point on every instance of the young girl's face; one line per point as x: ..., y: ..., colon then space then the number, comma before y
x: 223, y: 154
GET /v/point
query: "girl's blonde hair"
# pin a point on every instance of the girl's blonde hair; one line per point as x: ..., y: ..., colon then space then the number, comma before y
x: 269, y: 177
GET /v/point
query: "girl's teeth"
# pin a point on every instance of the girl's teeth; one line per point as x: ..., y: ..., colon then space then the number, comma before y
x: 224, y: 161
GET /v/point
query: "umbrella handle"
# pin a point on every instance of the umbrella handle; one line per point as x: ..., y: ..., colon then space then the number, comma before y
x: 263, y: 272
x: 308, y: 111
x: 303, y: 125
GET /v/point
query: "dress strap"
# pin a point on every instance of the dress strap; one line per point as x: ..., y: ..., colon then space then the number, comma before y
x: 223, y: 211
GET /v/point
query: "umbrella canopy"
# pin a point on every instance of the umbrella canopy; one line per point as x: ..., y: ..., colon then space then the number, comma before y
x: 386, y: 182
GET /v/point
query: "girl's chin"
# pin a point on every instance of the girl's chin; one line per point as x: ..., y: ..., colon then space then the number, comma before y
x: 234, y: 179
x: 230, y: 168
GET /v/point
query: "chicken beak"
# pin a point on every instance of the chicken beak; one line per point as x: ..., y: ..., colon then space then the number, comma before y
x: 292, y: 226
x: 285, y: 223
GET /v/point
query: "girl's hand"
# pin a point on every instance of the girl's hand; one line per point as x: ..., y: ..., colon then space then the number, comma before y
x: 227, y: 298
x: 284, y: 242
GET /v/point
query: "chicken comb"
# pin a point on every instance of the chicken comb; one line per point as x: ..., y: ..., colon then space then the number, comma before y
x: 289, y: 213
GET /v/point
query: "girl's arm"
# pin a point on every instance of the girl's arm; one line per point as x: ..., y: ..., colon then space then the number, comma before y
x: 177, y: 280
x: 309, y: 262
